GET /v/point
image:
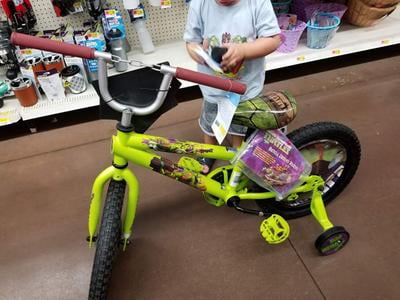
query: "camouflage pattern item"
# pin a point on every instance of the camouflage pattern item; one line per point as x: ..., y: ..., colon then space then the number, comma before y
x: 270, y: 111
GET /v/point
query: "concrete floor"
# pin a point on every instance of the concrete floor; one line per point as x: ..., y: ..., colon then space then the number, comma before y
x: 183, y: 248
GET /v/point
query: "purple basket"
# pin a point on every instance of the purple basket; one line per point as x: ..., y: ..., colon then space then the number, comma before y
x: 335, y: 9
x: 290, y: 38
x: 299, y: 6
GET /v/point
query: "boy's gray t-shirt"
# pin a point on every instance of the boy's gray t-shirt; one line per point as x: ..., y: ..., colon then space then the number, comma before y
x: 244, y: 21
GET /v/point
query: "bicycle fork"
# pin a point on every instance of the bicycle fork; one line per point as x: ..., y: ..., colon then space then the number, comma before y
x: 116, y: 173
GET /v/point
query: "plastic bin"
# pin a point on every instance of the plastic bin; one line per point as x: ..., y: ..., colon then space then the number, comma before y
x: 321, y: 29
x: 290, y: 38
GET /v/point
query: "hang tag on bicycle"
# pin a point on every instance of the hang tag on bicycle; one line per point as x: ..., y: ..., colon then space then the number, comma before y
x: 226, y: 109
x: 272, y: 161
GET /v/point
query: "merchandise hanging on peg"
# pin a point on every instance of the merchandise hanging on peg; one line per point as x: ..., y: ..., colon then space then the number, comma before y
x: 114, y: 31
x: 95, y: 8
x: 20, y: 13
x: 7, y: 51
x: 131, y: 4
x: 64, y: 8
x: 138, y: 17
x: 155, y: 2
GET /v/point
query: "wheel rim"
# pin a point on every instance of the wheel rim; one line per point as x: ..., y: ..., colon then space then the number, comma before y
x: 328, y: 159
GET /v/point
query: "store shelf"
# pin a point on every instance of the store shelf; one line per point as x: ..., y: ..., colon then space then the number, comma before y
x: 12, y: 111
x: 73, y: 102
x: 349, y: 39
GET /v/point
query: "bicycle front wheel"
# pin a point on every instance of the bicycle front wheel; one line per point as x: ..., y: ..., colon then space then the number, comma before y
x: 108, y: 241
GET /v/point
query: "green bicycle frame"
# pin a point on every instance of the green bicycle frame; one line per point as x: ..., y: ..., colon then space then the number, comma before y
x: 137, y: 149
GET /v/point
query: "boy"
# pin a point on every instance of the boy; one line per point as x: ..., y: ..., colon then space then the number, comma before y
x: 249, y: 30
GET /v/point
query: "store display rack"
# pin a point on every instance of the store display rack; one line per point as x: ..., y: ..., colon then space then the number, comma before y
x: 349, y: 39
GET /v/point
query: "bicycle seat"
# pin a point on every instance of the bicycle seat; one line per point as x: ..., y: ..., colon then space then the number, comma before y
x: 271, y: 110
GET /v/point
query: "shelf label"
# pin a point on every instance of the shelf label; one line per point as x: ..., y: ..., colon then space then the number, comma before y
x: 301, y: 58
x: 336, y: 51
x: 385, y: 42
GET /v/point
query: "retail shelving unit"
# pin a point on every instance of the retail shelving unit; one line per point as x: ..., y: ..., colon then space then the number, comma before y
x: 349, y: 39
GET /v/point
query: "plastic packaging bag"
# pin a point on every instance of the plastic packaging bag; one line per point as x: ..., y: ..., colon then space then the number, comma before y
x: 271, y: 160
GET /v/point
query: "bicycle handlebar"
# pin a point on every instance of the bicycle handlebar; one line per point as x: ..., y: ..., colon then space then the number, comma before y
x: 30, y: 41
x: 90, y: 53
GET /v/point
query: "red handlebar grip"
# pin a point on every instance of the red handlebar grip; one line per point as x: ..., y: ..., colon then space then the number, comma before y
x: 35, y: 42
x: 209, y: 80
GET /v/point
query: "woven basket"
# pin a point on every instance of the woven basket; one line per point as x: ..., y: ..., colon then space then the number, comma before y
x: 381, y: 3
x: 360, y: 14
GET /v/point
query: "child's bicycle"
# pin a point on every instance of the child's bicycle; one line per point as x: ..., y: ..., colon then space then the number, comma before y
x: 332, y: 149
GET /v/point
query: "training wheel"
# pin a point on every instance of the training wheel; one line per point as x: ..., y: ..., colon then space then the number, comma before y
x: 332, y: 240
x: 275, y: 229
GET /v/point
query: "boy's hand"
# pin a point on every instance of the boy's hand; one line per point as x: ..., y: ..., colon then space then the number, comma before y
x: 233, y: 57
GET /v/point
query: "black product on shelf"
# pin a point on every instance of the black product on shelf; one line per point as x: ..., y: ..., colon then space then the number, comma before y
x: 95, y: 8
x: 7, y: 54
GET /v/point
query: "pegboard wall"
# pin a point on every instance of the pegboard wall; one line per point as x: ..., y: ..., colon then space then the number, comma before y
x: 164, y: 24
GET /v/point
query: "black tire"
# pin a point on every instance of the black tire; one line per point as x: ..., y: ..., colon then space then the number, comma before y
x: 315, y: 134
x: 108, y: 241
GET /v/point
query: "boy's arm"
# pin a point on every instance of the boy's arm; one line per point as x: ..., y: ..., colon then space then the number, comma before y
x: 238, y: 52
x: 193, y: 55
x: 193, y: 34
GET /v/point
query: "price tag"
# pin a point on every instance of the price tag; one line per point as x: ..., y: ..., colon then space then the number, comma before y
x: 138, y: 13
x: 385, y: 42
x: 336, y: 51
x: 110, y: 12
x: 301, y: 58
x: 226, y: 109
x: 26, y: 51
x: 166, y: 3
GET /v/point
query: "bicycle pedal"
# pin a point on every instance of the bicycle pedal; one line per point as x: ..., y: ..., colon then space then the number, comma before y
x: 275, y: 229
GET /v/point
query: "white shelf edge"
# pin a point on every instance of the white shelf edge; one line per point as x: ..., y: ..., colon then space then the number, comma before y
x: 10, y: 112
x: 72, y: 102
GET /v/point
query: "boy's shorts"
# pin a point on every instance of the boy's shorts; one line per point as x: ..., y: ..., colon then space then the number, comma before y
x: 207, y: 117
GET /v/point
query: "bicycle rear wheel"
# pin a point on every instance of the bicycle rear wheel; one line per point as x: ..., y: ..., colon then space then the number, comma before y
x: 108, y: 241
x: 334, y: 152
